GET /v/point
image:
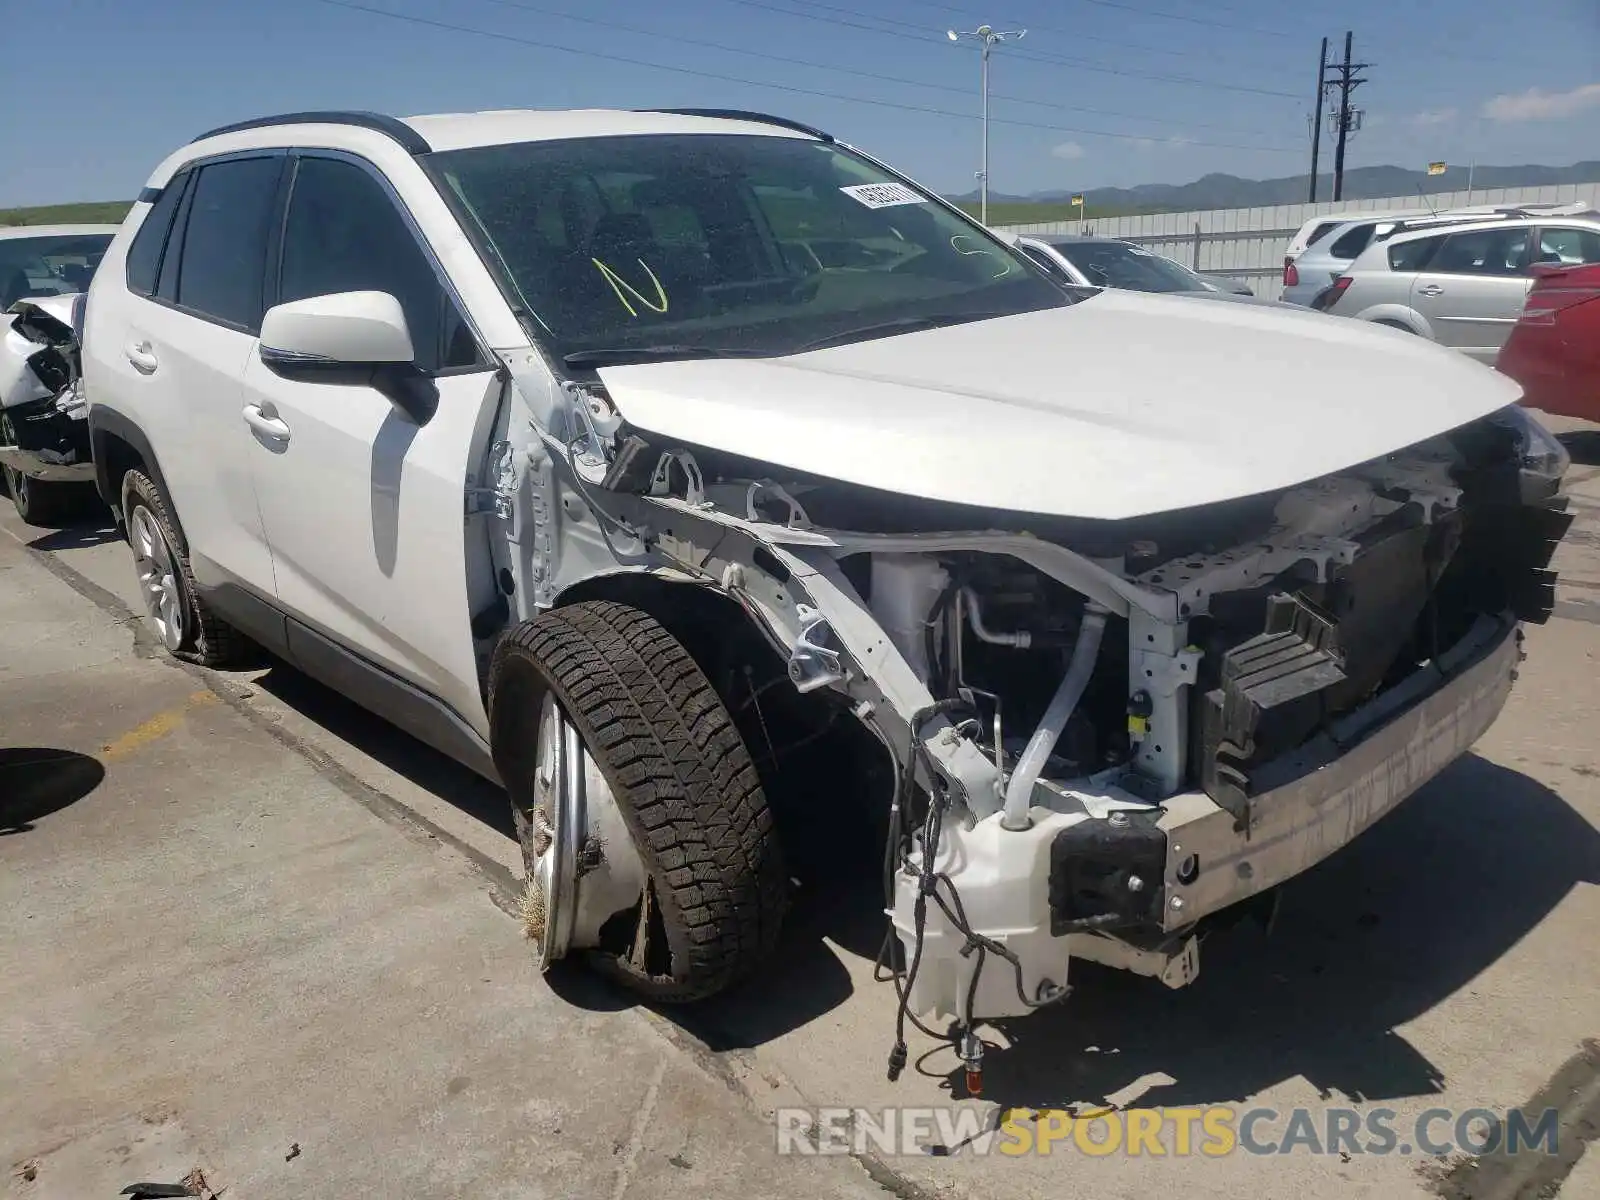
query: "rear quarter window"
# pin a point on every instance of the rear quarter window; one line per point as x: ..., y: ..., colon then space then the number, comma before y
x: 1321, y: 231
x: 1353, y: 242
x: 144, y: 255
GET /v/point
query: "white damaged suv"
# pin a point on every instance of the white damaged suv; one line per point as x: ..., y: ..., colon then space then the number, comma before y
x: 718, y: 489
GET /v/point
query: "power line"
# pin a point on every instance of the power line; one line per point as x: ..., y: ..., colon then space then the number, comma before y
x: 1412, y: 52
x: 759, y: 83
x: 1166, y: 16
x: 915, y: 32
x: 876, y: 75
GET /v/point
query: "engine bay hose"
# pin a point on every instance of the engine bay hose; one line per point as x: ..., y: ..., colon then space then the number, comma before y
x: 1085, y: 652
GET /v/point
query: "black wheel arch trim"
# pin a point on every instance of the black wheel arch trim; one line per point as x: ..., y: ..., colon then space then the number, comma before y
x: 105, y: 423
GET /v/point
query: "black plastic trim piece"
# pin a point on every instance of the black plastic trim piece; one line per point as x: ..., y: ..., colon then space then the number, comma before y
x: 253, y: 615
x: 740, y: 114
x: 149, y: 195
x: 107, y: 422
x: 402, y: 704
x: 407, y: 138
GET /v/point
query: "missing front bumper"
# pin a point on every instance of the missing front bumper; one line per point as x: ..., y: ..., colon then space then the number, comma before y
x: 1323, y: 795
x: 1065, y: 887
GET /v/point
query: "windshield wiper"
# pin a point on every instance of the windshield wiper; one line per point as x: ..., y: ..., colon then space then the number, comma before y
x: 617, y: 356
x: 896, y: 325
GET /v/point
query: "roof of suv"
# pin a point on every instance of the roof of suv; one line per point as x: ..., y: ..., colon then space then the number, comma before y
x: 460, y: 131
x: 1587, y: 217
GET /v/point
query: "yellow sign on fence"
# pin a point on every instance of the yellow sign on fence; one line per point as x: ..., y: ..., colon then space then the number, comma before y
x: 1435, y: 168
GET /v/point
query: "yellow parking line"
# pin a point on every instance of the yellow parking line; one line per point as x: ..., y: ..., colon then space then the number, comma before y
x: 156, y: 727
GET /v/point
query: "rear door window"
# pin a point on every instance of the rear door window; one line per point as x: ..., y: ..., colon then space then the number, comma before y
x: 1482, y: 252
x: 1413, y: 256
x: 223, y: 272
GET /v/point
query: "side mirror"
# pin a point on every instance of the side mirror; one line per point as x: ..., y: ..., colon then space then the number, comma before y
x: 1544, y: 270
x: 354, y: 339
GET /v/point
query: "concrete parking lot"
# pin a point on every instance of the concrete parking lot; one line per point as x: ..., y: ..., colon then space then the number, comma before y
x: 254, y: 932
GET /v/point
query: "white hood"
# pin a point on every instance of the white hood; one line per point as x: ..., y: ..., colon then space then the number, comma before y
x: 1122, y: 405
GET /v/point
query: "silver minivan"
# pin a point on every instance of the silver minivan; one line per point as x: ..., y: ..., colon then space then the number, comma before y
x: 1463, y: 287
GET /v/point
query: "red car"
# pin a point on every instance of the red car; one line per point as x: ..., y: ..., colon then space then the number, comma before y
x: 1554, y: 348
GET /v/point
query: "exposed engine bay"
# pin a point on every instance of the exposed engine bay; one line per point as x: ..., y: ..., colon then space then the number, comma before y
x: 1094, y: 739
x: 44, y: 432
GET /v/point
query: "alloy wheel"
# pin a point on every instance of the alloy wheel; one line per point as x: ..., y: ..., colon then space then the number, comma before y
x: 156, y: 566
x: 582, y: 865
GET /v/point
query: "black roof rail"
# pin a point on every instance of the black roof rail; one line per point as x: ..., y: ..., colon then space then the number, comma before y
x: 408, y: 138
x: 740, y: 114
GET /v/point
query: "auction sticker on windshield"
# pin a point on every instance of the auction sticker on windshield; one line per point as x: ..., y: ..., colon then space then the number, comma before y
x: 882, y: 195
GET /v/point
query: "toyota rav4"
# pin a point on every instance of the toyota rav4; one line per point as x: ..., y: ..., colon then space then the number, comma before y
x: 712, y: 486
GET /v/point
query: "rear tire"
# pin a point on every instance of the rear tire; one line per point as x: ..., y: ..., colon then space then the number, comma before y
x: 678, y: 772
x: 181, y: 619
x: 46, y: 505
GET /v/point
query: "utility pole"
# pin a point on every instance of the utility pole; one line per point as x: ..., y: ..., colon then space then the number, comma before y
x: 1316, y: 122
x: 1348, y: 79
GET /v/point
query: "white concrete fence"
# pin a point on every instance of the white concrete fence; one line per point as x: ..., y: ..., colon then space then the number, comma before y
x: 1248, y: 243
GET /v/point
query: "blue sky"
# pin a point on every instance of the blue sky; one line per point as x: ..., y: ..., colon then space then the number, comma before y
x: 1100, y: 92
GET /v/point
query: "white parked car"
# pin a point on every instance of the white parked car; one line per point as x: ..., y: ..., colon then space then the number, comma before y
x: 44, y: 442
x: 705, y: 481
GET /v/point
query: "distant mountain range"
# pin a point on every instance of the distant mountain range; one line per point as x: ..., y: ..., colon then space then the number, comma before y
x: 1360, y: 183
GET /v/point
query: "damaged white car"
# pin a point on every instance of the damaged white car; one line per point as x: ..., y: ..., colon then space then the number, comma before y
x: 44, y: 434
x: 718, y: 490
x: 44, y: 440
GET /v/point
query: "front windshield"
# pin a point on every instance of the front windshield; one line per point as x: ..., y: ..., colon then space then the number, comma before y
x: 1119, y: 265
x: 53, y: 265
x: 740, y: 242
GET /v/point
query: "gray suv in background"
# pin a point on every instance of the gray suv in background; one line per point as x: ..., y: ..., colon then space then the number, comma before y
x: 1307, y: 275
x: 1463, y: 287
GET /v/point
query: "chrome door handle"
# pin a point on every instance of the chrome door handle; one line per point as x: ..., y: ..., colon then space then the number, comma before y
x: 1432, y: 289
x: 268, y: 425
x: 142, y: 357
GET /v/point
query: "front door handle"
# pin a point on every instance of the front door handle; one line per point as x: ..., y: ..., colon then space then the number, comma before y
x: 267, y: 424
x: 1430, y: 289
x: 142, y: 356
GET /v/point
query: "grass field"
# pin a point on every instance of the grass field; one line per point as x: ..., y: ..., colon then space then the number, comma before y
x: 94, y: 212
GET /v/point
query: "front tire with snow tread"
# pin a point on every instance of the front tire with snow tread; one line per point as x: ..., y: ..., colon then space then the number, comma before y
x: 682, y: 776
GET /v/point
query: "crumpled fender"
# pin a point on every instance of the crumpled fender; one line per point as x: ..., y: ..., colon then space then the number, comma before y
x: 34, y: 333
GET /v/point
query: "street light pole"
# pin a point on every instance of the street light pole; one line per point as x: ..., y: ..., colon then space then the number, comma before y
x: 988, y: 37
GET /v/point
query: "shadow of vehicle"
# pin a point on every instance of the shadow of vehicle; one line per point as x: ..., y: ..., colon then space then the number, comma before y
x: 375, y: 737
x: 1366, y: 941
x: 36, y: 781
x: 96, y: 530
x: 805, y: 980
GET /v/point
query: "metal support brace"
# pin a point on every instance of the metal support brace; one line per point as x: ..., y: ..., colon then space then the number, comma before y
x: 1162, y: 665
